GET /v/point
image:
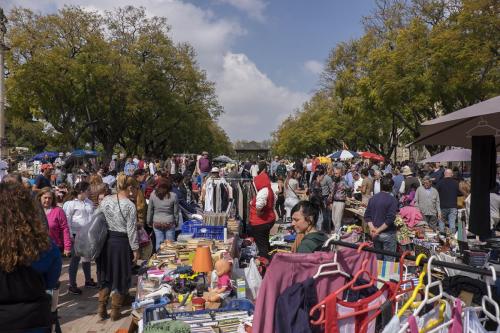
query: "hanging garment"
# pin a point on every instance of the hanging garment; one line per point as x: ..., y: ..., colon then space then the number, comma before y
x: 472, y: 323
x: 218, y: 198
x: 240, y: 201
x: 393, y: 326
x: 287, y: 269
x: 335, y: 308
x: 422, y: 322
x: 483, y: 178
x: 224, y: 197
x: 209, y: 195
x: 456, y: 315
x: 293, y: 306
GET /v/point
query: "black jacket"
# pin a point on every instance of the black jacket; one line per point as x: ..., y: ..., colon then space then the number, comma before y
x: 24, y: 304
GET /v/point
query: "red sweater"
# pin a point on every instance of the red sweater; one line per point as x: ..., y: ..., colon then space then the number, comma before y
x: 267, y: 213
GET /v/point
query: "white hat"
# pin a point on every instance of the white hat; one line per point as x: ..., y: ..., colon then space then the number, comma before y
x: 406, y: 171
x: 215, y: 170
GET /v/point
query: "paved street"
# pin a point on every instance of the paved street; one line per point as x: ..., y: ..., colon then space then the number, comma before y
x: 78, y: 313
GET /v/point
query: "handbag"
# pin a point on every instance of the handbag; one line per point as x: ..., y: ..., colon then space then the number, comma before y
x: 142, y: 235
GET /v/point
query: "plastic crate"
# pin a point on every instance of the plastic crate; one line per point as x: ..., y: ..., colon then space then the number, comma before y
x: 232, y: 305
x: 188, y: 226
x: 209, y: 231
x: 149, y: 314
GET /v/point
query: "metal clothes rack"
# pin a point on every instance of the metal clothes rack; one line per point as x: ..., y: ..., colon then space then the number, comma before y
x: 465, y: 268
x: 237, y: 179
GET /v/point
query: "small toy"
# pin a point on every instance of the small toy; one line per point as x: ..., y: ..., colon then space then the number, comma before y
x: 223, y: 287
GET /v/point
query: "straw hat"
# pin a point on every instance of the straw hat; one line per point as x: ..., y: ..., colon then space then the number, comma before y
x: 406, y: 171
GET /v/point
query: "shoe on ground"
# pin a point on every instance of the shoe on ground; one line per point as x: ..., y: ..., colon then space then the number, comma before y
x: 90, y: 284
x: 74, y: 290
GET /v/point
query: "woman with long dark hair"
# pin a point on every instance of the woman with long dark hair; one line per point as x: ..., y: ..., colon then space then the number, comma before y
x: 114, y: 264
x: 163, y: 212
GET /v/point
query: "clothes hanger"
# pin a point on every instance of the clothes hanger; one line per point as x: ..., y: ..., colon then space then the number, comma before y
x: 429, y: 300
x: 398, y: 291
x: 337, y: 268
x: 335, y: 237
x: 435, y: 325
x: 419, y: 286
x: 489, y: 298
x: 430, y: 284
x: 448, y: 323
x: 401, y: 282
x: 321, y: 306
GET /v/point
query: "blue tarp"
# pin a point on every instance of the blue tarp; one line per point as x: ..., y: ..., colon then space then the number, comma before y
x: 84, y: 153
x: 45, y: 155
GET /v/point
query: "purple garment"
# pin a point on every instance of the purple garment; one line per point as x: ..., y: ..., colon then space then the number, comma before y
x: 204, y: 165
x: 287, y: 269
x: 456, y: 317
x: 412, y: 322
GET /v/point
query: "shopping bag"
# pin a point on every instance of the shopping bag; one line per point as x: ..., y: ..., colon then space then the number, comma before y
x: 253, y: 280
x: 90, y: 240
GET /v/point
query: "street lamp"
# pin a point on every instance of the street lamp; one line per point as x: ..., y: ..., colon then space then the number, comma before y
x: 3, y: 48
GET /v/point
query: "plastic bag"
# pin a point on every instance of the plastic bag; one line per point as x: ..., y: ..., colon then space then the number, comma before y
x: 90, y: 240
x: 253, y: 280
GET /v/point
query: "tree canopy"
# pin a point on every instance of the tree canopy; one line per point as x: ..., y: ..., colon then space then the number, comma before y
x: 417, y: 60
x: 110, y: 80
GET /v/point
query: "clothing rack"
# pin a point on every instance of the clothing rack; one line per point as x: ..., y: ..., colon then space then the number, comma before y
x: 465, y: 268
x: 236, y: 179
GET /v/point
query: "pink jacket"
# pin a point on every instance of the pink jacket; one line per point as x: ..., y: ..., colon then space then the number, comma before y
x: 58, y: 228
x: 411, y: 215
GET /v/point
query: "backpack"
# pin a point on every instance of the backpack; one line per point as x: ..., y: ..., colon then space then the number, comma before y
x: 90, y: 240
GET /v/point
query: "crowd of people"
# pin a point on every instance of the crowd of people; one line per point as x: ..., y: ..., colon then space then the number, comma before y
x: 142, y: 198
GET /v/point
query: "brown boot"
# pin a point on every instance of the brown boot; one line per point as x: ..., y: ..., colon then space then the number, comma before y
x: 116, y: 305
x: 103, y: 303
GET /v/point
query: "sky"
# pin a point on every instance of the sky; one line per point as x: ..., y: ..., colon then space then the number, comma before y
x: 265, y: 56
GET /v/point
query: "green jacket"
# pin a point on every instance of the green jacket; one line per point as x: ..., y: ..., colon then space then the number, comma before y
x: 312, y: 242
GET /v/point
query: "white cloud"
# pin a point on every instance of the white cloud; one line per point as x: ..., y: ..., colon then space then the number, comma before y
x: 254, y: 105
x: 313, y: 66
x: 254, y: 8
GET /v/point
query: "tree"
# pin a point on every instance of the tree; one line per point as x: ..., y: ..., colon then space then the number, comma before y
x: 115, y: 80
x: 416, y: 61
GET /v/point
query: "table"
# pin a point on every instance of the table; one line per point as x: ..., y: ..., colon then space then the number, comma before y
x: 360, y: 213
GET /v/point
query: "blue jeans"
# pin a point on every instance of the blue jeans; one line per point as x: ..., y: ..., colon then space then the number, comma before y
x: 386, y: 241
x: 450, y: 215
x: 162, y: 235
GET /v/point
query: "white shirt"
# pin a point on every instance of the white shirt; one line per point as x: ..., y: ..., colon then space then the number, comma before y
x: 152, y: 168
x: 254, y: 170
x: 376, y: 186
x: 309, y: 167
x: 110, y: 180
x: 357, y: 185
x: 3, y: 169
x: 78, y: 213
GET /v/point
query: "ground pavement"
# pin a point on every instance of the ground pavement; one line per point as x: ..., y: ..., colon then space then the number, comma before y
x: 78, y: 313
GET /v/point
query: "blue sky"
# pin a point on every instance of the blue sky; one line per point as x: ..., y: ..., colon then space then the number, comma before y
x: 265, y: 56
